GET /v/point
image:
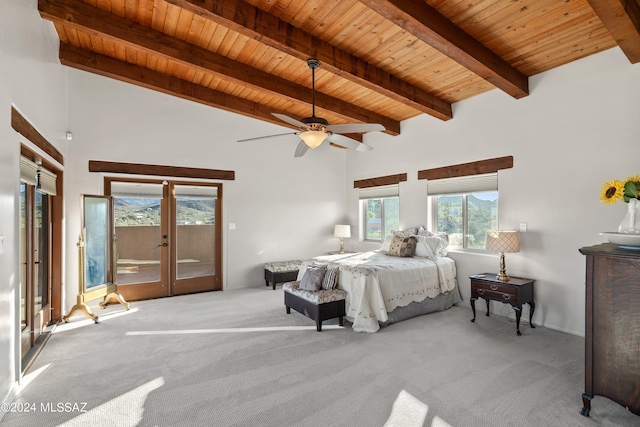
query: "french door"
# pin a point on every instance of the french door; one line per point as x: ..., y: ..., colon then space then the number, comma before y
x: 35, y: 264
x: 168, y: 237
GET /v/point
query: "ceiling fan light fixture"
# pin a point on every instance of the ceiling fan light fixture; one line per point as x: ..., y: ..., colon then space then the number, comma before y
x: 313, y: 138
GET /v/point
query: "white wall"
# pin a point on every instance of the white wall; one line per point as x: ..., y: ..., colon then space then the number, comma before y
x: 577, y: 129
x: 284, y: 208
x: 32, y: 79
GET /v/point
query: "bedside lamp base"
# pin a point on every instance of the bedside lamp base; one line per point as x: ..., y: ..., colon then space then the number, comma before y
x: 502, y: 276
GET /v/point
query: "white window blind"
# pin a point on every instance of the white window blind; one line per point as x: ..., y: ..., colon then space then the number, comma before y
x: 34, y: 174
x: 379, y: 192
x: 28, y: 171
x: 196, y: 191
x: 463, y: 184
x: 136, y: 189
x: 47, y: 181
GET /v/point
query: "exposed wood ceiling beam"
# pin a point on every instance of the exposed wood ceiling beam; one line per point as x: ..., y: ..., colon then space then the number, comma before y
x: 622, y: 19
x: 252, y: 22
x: 426, y: 23
x: 86, y: 60
x: 84, y: 17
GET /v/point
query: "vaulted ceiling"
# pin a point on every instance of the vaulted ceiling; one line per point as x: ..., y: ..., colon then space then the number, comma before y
x: 382, y: 61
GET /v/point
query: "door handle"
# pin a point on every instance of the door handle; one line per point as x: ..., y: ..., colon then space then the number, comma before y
x: 164, y: 245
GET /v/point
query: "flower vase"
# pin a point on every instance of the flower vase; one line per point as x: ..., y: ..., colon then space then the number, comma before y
x: 631, y: 222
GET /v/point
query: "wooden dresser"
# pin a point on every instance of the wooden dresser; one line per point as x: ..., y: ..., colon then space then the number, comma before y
x: 612, y: 334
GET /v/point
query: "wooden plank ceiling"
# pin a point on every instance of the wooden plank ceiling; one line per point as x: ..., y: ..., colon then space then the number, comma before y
x: 381, y: 61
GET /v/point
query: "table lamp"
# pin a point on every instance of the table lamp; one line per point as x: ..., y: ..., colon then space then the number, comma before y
x: 342, y: 231
x: 502, y: 241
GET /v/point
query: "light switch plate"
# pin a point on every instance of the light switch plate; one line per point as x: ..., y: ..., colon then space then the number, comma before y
x: 1, y: 244
x: 232, y: 226
x: 523, y: 227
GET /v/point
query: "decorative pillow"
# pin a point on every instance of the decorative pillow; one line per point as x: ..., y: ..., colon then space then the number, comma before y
x: 422, y: 249
x: 437, y: 244
x: 405, y: 233
x: 330, y: 278
x: 312, y: 278
x: 445, y: 237
x: 402, y: 246
x: 386, y: 243
x: 423, y: 232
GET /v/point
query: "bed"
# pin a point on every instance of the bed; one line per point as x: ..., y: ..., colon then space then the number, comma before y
x: 383, y: 289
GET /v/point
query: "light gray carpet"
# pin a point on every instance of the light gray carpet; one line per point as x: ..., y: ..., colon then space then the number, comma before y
x: 235, y: 358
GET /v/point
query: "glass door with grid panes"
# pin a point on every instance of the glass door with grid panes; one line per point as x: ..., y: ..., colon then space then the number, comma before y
x: 168, y: 238
x: 35, y: 261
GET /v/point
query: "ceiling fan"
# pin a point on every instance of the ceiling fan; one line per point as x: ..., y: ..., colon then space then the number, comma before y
x: 315, y: 130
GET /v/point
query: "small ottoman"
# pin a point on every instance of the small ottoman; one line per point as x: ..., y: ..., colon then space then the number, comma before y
x: 319, y: 306
x: 281, y: 271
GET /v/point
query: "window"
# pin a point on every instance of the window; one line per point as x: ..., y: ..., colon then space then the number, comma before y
x: 465, y: 208
x: 380, y: 217
x: 380, y: 207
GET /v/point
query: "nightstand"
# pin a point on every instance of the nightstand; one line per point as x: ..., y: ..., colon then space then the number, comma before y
x: 516, y: 291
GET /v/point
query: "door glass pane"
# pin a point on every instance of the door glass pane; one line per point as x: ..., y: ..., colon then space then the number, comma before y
x: 23, y: 257
x: 41, y: 255
x: 195, y: 231
x: 138, y: 233
x: 450, y: 218
x: 97, y: 240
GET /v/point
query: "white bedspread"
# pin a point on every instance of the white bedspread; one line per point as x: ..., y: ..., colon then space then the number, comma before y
x: 377, y: 283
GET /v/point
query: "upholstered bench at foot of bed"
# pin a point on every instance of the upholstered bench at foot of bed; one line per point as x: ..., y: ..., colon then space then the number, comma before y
x: 319, y: 306
x: 281, y: 271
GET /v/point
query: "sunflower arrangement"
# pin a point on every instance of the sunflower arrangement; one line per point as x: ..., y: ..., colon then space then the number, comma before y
x: 615, y: 190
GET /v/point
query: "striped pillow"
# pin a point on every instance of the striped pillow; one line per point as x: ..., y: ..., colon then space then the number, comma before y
x: 330, y: 278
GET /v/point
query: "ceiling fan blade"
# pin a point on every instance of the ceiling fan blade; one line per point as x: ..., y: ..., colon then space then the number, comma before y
x: 355, y: 127
x: 291, y: 121
x: 301, y: 149
x: 268, y: 136
x: 346, y: 142
x: 364, y: 147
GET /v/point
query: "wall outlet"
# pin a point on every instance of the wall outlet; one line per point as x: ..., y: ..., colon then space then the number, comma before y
x: 523, y: 227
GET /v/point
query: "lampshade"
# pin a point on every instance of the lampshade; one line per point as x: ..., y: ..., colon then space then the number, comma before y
x: 502, y: 241
x: 342, y: 231
x: 313, y: 138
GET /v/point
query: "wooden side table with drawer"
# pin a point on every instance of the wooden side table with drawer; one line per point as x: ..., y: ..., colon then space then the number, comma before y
x: 516, y: 291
